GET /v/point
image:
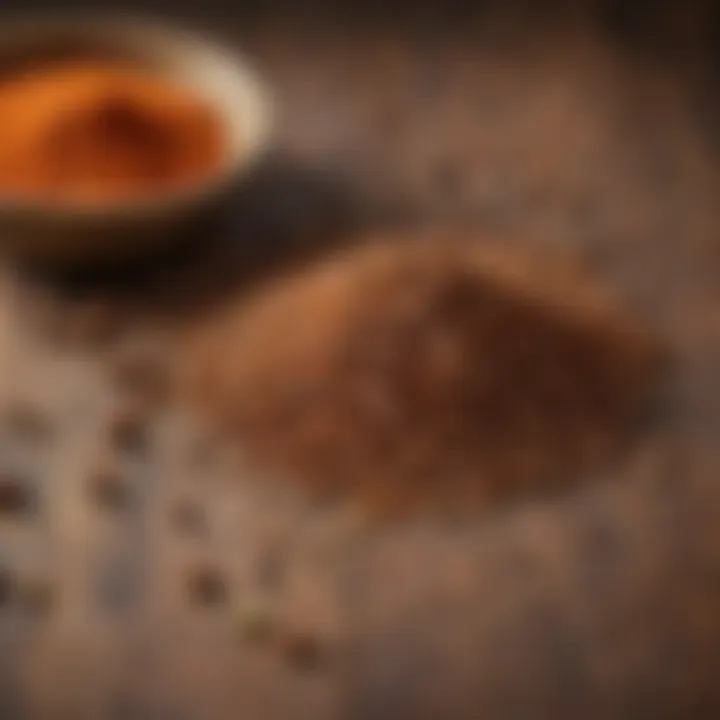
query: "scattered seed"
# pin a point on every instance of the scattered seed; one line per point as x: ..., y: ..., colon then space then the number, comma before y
x: 206, y: 586
x: 128, y: 431
x: 188, y: 518
x: 302, y: 651
x: 254, y: 623
x: 15, y: 497
x: 109, y: 490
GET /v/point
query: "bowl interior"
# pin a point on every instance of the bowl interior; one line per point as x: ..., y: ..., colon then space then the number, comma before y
x: 211, y: 72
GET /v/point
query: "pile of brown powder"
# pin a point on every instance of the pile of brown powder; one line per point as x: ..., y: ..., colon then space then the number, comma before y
x: 428, y: 372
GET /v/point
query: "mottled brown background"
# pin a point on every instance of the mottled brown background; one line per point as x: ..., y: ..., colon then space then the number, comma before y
x: 588, y: 126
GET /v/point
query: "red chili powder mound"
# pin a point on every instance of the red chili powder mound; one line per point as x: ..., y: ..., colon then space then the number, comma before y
x: 428, y: 372
x: 97, y: 132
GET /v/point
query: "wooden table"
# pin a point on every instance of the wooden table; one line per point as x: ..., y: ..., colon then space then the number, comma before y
x: 141, y: 578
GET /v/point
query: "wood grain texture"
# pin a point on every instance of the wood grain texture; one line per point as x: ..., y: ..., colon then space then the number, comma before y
x: 598, y: 604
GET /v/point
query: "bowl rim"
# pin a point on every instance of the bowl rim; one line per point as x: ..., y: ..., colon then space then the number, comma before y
x: 45, y: 25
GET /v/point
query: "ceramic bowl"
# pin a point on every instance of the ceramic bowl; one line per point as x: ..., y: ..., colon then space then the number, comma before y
x: 55, y: 233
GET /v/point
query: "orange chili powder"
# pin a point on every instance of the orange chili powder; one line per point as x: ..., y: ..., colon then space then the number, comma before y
x: 100, y: 132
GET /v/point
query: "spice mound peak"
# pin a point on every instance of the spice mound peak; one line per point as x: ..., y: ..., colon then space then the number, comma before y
x: 428, y: 373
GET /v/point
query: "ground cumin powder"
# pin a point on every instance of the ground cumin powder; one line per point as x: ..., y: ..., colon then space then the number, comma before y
x: 96, y: 132
x: 428, y: 373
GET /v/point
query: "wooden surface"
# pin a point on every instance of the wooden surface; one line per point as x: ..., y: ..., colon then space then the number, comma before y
x: 599, y: 604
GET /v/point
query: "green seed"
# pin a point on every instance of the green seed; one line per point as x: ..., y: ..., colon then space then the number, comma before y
x: 254, y: 624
